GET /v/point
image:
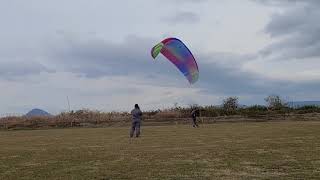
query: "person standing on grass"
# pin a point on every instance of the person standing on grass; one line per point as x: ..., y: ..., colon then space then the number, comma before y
x: 194, y: 114
x: 136, y: 121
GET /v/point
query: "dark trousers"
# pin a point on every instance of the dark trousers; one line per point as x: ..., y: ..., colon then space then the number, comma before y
x: 135, y: 127
x: 194, y: 121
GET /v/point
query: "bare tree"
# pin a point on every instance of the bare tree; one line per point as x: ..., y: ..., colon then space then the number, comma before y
x: 231, y: 103
x: 275, y: 102
x: 194, y: 106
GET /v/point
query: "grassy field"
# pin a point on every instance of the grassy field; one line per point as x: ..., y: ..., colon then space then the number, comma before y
x: 264, y: 150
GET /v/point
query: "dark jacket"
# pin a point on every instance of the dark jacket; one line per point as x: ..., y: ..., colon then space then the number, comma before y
x: 136, y: 115
x: 194, y: 113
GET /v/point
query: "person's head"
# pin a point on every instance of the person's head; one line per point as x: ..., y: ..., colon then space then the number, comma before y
x: 136, y: 106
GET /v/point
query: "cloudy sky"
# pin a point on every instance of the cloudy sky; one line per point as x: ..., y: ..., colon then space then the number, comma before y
x: 97, y: 52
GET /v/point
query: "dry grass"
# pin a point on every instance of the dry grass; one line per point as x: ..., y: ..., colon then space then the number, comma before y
x: 87, y: 118
x: 265, y: 150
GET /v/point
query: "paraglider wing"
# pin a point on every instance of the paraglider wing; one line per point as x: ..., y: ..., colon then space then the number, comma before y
x: 178, y: 53
x: 156, y: 50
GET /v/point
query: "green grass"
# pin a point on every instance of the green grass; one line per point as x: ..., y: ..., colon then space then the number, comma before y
x: 265, y: 150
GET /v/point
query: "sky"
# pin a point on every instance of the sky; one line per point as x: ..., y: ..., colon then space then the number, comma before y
x: 97, y: 53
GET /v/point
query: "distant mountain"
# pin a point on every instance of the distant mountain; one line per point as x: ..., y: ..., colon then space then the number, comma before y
x: 37, y: 112
x: 297, y: 104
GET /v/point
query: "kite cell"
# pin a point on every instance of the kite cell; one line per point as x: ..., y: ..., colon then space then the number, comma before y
x: 178, y: 53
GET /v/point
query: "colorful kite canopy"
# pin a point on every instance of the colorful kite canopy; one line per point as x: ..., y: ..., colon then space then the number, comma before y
x: 178, y: 53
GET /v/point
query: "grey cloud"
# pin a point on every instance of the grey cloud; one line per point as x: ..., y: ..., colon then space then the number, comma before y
x: 299, y: 31
x: 94, y: 59
x: 182, y: 17
x: 281, y: 2
x: 228, y: 78
x: 17, y: 70
x: 301, y: 20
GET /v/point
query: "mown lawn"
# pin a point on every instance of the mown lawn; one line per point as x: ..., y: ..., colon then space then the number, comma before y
x: 264, y: 150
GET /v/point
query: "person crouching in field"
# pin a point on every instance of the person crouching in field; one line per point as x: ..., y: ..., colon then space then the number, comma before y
x: 136, y: 121
x: 194, y: 114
